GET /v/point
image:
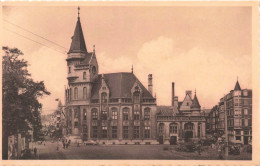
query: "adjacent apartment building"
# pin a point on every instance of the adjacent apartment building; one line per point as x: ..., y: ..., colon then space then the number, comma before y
x: 112, y: 108
x: 238, y: 106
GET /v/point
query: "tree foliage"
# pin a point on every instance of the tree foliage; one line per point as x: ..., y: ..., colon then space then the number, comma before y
x: 21, y: 108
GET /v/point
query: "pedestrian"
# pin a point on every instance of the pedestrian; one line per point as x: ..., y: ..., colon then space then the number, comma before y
x: 78, y: 143
x: 220, y: 156
x: 199, y: 147
x: 35, y: 151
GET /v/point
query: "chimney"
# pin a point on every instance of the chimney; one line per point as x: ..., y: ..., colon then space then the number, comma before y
x: 173, y: 94
x: 150, y: 83
x: 175, y: 101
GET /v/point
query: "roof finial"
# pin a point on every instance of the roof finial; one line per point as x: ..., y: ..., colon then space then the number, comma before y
x: 94, y: 48
x: 78, y: 11
x: 132, y: 69
x: 237, y: 78
x: 195, y: 91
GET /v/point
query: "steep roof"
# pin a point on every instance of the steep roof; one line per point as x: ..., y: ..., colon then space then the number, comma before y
x: 78, y: 42
x: 237, y: 87
x: 119, y: 84
x: 164, y: 111
x: 195, y: 102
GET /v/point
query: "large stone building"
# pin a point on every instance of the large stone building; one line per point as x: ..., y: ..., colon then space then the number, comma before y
x: 182, y: 121
x: 237, y: 104
x: 112, y: 108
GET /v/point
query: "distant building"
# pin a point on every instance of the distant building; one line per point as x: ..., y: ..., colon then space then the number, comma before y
x: 183, y: 121
x: 112, y: 108
x: 238, y: 106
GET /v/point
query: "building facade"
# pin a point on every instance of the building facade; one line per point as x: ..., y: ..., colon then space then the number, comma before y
x: 112, y: 108
x: 237, y: 104
x: 183, y: 121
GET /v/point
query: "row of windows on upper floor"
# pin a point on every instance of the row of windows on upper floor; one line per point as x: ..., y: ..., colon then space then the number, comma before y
x: 114, y: 114
x: 104, y: 98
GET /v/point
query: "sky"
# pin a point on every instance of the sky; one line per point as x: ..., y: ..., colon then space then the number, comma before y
x: 202, y: 48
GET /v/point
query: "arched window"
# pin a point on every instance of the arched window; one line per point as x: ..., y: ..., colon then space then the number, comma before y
x: 137, y: 95
x: 84, y: 76
x: 125, y: 113
x: 103, y: 97
x: 173, y: 128
x: 147, y: 114
x: 84, y: 93
x: 114, y: 113
x: 94, y: 114
x: 76, y: 93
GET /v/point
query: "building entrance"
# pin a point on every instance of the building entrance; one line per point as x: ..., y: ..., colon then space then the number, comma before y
x: 188, y: 136
x: 173, y: 140
x: 161, y: 139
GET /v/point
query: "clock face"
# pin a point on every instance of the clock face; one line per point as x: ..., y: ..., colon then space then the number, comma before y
x: 94, y: 70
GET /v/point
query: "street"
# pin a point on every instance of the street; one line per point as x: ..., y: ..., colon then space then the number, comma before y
x: 138, y: 152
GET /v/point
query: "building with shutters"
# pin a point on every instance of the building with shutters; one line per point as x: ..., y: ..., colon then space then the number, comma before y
x: 182, y: 121
x: 113, y: 108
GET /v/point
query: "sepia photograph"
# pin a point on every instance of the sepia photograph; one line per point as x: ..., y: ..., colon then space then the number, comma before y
x: 127, y: 82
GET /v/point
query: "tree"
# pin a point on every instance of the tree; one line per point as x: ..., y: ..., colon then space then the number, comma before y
x: 21, y: 108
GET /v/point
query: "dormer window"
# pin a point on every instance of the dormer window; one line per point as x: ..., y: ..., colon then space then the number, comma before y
x: 84, y: 76
x: 245, y: 93
x: 104, y: 98
x: 137, y: 95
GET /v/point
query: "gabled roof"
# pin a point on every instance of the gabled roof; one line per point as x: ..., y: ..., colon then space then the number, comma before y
x: 119, y: 84
x: 195, y: 102
x: 78, y: 42
x: 237, y: 87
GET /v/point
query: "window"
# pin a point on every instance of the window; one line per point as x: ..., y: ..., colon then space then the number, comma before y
x: 238, y: 138
x: 69, y: 70
x: 161, y: 128
x: 237, y: 123
x: 114, y: 113
x: 94, y: 114
x: 104, y: 98
x: 104, y: 132
x: 70, y: 92
x: 246, y: 132
x: 237, y: 112
x: 125, y: 113
x: 84, y: 76
x: 245, y: 122
x: 84, y: 93
x: 125, y: 131
x: 76, y: 113
x: 147, y: 132
x: 114, y: 131
x: 187, y: 104
x: 137, y: 95
x: 173, y: 128
x: 76, y: 93
x: 136, y: 131
x: 104, y: 115
x: 94, y: 131
x: 238, y: 132
x: 199, y: 126
x: 84, y: 114
x: 188, y: 126
x: 76, y: 124
x: 147, y: 114
x: 245, y: 93
x: 246, y: 111
x: 136, y: 114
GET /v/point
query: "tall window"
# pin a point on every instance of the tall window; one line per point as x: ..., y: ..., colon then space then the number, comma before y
x: 94, y: 114
x: 173, y: 128
x: 69, y: 70
x: 161, y: 128
x: 70, y: 92
x: 137, y: 95
x: 84, y: 114
x: 245, y: 122
x: 104, y: 98
x: 114, y: 113
x: 76, y: 124
x: 136, y: 114
x: 76, y: 113
x: 125, y: 113
x: 245, y: 111
x: 84, y: 93
x: 104, y: 131
x: 147, y: 114
x: 94, y: 131
x: 114, y: 131
x: 84, y: 76
x: 199, y: 127
x: 104, y: 114
x: 125, y: 131
x: 237, y: 122
x: 147, y: 132
x: 76, y: 93
x: 136, y: 131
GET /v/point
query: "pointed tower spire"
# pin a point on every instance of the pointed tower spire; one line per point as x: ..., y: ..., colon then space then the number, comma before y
x: 78, y: 42
x: 195, y: 102
x: 132, y: 69
x: 237, y: 86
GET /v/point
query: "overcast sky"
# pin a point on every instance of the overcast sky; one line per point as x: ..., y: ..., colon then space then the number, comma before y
x: 196, y: 47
